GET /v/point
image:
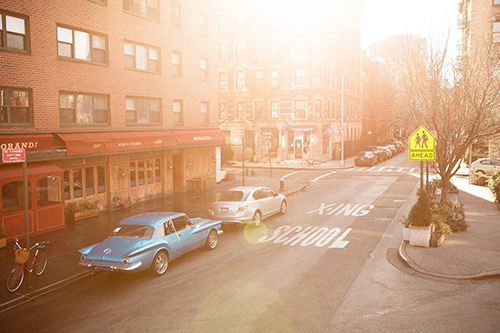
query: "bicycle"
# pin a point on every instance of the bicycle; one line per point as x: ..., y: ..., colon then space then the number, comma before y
x: 309, y: 163
x: 38, y: 263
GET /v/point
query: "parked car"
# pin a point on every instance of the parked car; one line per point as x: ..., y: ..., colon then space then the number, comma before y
x: 248, y: 204
x: 388, y: 151
x: 485, y: 166
x: 399, y: 145
x: 394, y: 150
x: 150, y: 241
x: 380, y: 153
x: 365, y: 158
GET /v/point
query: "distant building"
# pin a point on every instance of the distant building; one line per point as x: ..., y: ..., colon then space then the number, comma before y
x: 280, y: 85
x: 113, y: 100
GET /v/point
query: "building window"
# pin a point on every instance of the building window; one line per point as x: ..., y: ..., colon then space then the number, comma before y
x: 177, y: 111
x: 223, y: 111
x: 239, y: 21
x: 496, y: 32
x: 275, y: 109
x: 13, y: 32
x: 240, y: 80
x: 259, y: 111
x: 203, y: 25
x: 259, y: 78
x: 144, y: 172
x: 145, y: 8
x: 204, y: 113
x: 318, y: 109
x: 221, y: 22
x: 318, y: 75
x: 82, y: 45
x: 496, y: 2
x: 204, y: 69
x: 300, y: 76
x: 48, y: 191
x: 239, y: 50
x: 176, y: 15
x: 83, y: 109
x: 141, y: 110
x: 223, y: 80
x: 222, y: 52
x: 299, y: 108
x: 15, y: 106
x: 141, y: 57
x: 176, y: 64
x: 274, y: 78
x: 240, y: 110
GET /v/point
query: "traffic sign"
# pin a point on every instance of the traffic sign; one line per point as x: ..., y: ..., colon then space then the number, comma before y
x: 13, y: 155
x: 422, y: 145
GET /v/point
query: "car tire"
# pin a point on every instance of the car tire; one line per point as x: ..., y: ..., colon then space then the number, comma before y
x: 160, y: 263
x: 212, y: 240
x: 257, y: 219
x: 283, y: 207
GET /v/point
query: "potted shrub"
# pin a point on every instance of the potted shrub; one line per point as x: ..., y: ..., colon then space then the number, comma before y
x: 453, y: 215
x: 3, y: 237
x: 406, y: 228
x: 440, y: 232
x: 420, y: 219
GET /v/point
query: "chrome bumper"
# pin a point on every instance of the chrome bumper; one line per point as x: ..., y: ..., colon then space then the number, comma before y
x: 112, y: 267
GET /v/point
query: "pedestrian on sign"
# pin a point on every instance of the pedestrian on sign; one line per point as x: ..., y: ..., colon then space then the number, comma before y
x: 417, y: 141
x: 424, y: 140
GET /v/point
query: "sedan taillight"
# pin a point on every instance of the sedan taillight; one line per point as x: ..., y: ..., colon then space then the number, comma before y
x: 242, y: 209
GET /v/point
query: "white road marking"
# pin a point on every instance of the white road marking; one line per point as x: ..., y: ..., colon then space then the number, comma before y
x: 307, y: 236
x: 381, y: 168
x: 411, y: 170
x: 371, y: 168
x: 400, y: 169
x: 291, y: 173
x: 322, y: 176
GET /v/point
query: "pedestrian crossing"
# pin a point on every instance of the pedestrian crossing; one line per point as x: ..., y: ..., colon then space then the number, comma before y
x: 384, y: 169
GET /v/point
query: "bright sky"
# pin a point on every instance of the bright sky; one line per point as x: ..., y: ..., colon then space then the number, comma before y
x: 427, y: 18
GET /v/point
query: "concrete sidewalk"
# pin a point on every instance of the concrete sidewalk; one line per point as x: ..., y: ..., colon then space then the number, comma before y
x: 473, y: 253
x: 63, y: 267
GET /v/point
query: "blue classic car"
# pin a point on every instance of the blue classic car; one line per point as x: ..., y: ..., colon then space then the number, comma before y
x: 150, y: 241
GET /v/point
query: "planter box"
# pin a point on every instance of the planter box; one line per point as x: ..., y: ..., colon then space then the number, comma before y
x: 77, y: 216
x: 420, y: 236
x: 438, y: 242
x: 406, y: 234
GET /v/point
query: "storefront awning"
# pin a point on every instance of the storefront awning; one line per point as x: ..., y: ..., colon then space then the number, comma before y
x: 302, y: 128
x: 29, y: 142
x: 12, y: 172
x: 105, y: 142
x: 199, y: 137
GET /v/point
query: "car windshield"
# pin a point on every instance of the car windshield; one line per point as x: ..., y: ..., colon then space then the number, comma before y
x: 133, y: 231
x: 233, y: 196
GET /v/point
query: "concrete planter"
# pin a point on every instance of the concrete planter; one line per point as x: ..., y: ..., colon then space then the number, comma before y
x: 438, y: 242
x: 420, y: 236
x: 77, y: 216
x: 406, y: 234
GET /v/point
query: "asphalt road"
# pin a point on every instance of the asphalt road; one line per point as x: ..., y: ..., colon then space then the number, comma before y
x: 327, y: 265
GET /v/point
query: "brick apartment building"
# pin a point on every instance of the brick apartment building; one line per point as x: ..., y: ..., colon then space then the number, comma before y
x: 113, y: 101
x: 280, y: 85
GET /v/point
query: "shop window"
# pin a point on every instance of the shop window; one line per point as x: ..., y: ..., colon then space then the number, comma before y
x: 14, y: 32
x: 89, y: 181
x: 157, y: 170
x: 132, y: 174
x: 15, y: 106
x: 48, y: 191
x: 83, y: 109
x: 67, y: 194
x: 82, y: 45
x: 13, y: 198
x: 101, y: 179
x: 77, y: 183
x: 145, y: 8
x: 80, y: 182
x: 140, y: 173
x: 149, y: 172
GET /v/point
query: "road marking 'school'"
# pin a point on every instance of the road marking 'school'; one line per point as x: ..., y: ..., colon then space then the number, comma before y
x: 306, y: 236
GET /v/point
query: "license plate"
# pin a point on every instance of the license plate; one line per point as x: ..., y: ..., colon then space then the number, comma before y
x: 223, y: 209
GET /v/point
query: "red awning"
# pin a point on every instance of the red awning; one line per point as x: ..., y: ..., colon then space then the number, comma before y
x: 29, y: 142
x: 105, y: 142
x: 199, y: 137
x: 12, y: 172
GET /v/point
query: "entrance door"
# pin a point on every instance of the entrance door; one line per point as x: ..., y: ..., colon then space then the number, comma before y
x: 298, y: 148
x: 177, y: 167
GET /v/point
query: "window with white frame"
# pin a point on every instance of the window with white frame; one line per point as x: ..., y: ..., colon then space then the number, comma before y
x: 274, y: 78
x: 239, y: 21
x: 205, y: 113
x: 13, y: 32
x: 259, y: 78
x: 177, y: 112
x: 204, y: 69
x: 81, y: 45
x: 141, y: 57
x: 143, y: 110
x: 176, y: 64
x: 83, y: 109
x: 275, y: 109
x: 175, y: 15
x: 240, y: 80
x: 496, y: 32
x: 221, y: 22
x: 318, y: 109
x: 300, y: 76
x: 223, y: 80
x: 240, y: 110
x: 145, y: 8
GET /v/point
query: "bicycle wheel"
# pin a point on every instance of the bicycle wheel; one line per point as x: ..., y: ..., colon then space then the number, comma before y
x: 305, y: 163
x: 40, y: 262
x: 315, y: 163
x: 15, y: 279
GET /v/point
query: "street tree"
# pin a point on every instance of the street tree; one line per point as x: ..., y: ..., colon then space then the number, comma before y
x: 459, y: 101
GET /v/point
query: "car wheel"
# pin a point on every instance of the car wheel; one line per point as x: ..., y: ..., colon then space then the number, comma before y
x: 212, y: 240
x: 160, y: 263
x: 283, y: 207
x: 257, y: 218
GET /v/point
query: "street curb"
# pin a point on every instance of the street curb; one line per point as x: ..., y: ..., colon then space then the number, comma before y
x: 297, y: 190
x: 404, y: 256
x: 12, y: 304
x: 287, y: 168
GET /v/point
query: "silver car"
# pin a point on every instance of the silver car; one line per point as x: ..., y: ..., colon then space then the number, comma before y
x: 248, y: 204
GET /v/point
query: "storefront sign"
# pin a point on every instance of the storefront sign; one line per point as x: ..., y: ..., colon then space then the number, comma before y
x: 28, y: 142
x: 13, y: 155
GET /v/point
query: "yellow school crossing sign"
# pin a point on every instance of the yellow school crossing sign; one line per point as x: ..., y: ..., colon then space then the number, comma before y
x: 422, y: 145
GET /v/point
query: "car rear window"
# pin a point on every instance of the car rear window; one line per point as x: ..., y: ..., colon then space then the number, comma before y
x: 133, y: 231
x: 233, y: 196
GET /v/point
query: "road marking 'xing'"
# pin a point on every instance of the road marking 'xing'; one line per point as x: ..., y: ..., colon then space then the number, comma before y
x: 322, y: 176
x: 346, y: 209
x: 308, y: 236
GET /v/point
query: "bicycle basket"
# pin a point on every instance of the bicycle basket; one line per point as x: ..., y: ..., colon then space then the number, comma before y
x: 21, y: 256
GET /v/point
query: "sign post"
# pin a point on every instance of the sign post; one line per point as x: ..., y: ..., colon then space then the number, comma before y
x: 422, y: 147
